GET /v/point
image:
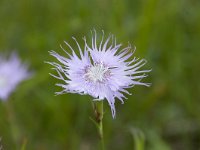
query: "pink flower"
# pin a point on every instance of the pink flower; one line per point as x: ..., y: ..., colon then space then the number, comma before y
x: 12, y: 72
x: 105, y: 71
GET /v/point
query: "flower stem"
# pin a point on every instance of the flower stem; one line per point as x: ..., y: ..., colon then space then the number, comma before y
x: 98, y: 108
x: 13, y: 124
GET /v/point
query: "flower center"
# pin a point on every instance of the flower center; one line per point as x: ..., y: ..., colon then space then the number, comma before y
x: 97, y: 73
x: 3, y: 81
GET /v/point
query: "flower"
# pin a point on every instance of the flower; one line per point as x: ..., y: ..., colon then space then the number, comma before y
x: 12, y: 72
x: 103, y: 72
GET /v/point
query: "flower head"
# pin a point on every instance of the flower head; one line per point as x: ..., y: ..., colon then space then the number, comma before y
x: 103, y: 72
x: 12, y: 72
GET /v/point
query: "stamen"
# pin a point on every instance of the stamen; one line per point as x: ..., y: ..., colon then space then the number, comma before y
x: 97, y: 73
x: 3, y: 81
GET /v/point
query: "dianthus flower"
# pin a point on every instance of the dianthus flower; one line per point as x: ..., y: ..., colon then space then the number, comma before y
x: 103, y: 71
x: 12, y: 72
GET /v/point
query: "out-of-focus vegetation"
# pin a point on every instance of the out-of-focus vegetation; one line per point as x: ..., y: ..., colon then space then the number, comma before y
x: 166, y: 33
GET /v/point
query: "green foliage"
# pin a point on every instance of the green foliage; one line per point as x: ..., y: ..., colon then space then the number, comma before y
x: 138, y: 138
x: 166, y: 33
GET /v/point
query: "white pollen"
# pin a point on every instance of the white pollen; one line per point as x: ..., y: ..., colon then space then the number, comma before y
x: 97, y: 73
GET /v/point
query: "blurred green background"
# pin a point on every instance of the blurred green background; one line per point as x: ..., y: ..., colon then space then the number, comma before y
x: 166, y: 33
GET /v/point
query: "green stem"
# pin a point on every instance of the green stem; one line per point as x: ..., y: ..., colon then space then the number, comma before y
x: 12, y: 122
x: 98, y: 107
